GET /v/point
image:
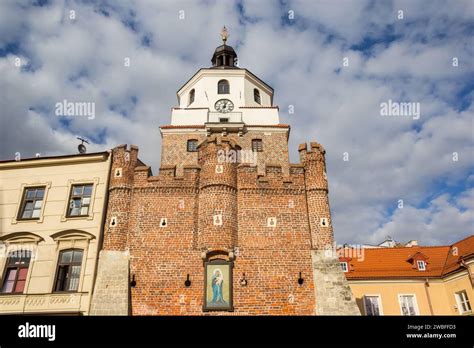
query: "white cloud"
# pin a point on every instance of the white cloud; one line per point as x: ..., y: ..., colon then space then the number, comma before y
x: 441, y: 223
x: 390, y: 158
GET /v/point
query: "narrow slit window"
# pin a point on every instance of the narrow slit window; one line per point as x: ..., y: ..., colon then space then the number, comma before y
x: 191, y: 96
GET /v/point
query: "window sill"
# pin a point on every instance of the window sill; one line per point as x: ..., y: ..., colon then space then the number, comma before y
x: 77, y: 217
x: 37, y: 220
x: 65, y: 292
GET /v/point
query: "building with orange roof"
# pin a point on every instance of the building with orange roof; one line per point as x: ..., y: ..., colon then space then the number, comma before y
x: 412, y: 279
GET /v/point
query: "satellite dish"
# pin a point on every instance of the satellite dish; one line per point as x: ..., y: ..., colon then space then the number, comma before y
x: 82, y: 148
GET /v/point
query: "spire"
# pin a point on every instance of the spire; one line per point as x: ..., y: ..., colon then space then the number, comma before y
x: 224, y: 56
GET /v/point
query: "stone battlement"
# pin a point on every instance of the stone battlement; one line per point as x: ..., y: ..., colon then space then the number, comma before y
x: 248, y: 176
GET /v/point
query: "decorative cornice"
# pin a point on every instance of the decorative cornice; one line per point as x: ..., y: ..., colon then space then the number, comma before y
x: 293, y: 191
x: 164, y: 189
x: 217, y: 186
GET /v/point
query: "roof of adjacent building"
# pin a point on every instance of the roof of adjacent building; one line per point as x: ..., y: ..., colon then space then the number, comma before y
x: 59, y: 157
x: 400, y: 262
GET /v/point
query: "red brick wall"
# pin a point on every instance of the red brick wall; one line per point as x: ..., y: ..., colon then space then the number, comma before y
x: 275, y: 148
x: 271, y: 257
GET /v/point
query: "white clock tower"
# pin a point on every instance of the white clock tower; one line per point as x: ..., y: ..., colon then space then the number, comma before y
x: 227, y: 100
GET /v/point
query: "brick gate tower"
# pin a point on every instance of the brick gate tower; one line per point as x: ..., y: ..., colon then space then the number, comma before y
x: 229, y: 225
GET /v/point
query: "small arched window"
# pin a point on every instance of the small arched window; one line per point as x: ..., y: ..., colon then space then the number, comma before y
x: 223, y: 87
x: 256, y: 96
x: 191, y: 97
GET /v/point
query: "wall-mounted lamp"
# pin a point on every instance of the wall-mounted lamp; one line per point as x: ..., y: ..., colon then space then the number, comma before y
x: 133, y: 283
x: 187, y: 282
x: 243, y: 281
x: 300, y: 280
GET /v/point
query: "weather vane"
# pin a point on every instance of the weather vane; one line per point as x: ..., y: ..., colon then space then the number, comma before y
x: 224, y: 34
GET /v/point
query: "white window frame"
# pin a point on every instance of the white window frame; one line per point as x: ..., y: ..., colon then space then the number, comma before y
x: 415, y: 303
x: 459, y: 302
x: 344, y: 266
x: 421, y: 262
x: 379, y: 300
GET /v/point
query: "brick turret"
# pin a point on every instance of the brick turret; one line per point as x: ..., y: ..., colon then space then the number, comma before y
x: 121, y: 183
x: 217, y: 224
x: 316, y: 185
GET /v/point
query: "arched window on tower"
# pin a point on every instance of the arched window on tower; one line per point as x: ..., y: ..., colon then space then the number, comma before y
x: 256, y: 96
x: 191, y: 97
x: 223, y: 87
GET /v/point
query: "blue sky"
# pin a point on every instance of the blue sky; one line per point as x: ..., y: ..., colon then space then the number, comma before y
x: 407, y: 59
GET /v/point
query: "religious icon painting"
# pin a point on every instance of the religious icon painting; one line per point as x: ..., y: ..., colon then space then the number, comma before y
x: 218, y: 285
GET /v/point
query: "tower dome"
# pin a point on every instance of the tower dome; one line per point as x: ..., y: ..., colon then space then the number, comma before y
x: 224, y: 56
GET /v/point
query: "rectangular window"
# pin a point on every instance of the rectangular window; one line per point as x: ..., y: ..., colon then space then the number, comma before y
x: 31, y: 203
x: 69, y: 270
x: 80, y: 200
x: 192, y: 145
x: 16, y: 271
x: 372, y: 305
x: 224, y: 120
x: 421, y: 265
x: 344, y: 266
x: 463, y: 302
x: 408, y: 305
x: 257, y: 145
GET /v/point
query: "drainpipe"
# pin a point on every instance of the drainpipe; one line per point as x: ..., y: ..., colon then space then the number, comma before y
x: 100, y: 240
x: 427, y: 285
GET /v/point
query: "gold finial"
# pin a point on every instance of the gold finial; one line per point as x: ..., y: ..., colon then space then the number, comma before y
x: 224, y: 34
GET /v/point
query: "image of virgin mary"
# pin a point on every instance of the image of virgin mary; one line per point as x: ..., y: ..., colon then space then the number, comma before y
x: 217, y: 283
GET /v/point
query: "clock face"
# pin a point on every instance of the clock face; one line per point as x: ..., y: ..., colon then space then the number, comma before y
x: 224, y: 105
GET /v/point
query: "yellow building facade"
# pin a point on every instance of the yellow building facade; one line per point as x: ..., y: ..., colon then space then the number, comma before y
x: 51, y: 216
x: 412, y: 280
